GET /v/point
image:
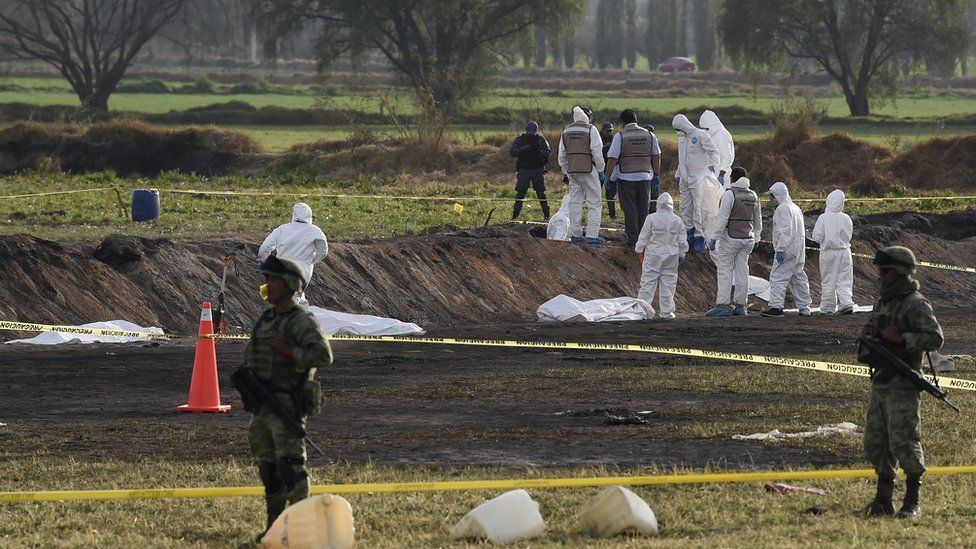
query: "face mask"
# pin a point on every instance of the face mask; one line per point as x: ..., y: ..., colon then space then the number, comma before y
x: 263, y: 291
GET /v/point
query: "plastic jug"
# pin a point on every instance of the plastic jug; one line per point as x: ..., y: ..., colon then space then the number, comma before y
x: 317, y: 522
x: 616, y: 510
x: 145, y: 204
x: 509, y: 517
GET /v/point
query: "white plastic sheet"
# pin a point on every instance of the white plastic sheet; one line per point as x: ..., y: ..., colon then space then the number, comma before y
x: 57, y: 338
x: 842, y: 429
x: 563, y: 308
x: 336, y: 323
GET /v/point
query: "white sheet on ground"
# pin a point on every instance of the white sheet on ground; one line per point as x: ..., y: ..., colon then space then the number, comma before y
x: 857, y: 309
x: 57, y: 338
x: 563, y: 308
x: 759, y: 287
x: 843, y: 429
x: 336, y: 323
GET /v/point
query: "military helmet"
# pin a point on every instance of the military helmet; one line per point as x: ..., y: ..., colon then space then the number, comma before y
x: 287, y: 270
x: 898, y: 258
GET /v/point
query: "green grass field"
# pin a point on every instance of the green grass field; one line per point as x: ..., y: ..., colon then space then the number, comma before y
x: 908, y: 105
x: 89, y: 217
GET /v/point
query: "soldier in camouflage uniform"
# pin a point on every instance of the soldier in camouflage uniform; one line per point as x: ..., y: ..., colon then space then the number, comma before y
x: 904, y: 321
x: 285, y: 350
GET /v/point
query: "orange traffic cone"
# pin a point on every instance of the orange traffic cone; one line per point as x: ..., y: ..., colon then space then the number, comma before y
x: 204, y: 388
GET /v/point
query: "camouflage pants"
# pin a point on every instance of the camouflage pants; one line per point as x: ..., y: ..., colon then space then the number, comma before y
x: 892, y: 433
x: 281, y: 458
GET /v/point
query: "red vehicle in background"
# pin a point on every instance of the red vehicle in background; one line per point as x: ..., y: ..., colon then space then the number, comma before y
x: 677, y: 64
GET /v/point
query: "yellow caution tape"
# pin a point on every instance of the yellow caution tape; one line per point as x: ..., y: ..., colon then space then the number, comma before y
x: 517, y: 222
x: 888, y: 198
x: 924, y: 264
x: 821, y: 366
x: 52, y: 193
x: 466, y: 485
x: 369, y: 196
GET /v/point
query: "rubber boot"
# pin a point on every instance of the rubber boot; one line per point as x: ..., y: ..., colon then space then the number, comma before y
x: 517, y: 208
x: 881, y: 504
x: 909, y: 507
x: 612, y: 208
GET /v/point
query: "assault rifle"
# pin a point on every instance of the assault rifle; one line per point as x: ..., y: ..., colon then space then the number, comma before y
x: 895, y: 362
x: 255, y: 394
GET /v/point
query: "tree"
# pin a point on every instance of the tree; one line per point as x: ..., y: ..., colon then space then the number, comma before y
x: 630, y: 41
x: 705, y: 34
x: 856, y: 42
x: 662, y: 25
x: 91, y: 42
x: 444, y: 49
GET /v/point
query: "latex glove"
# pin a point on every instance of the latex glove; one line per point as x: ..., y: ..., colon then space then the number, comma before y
x: 711, y: 169
x: 721, y: 179
x: 681, y: 261
x: 641, y: 256
x: 780, y: 257
x: 711, y: 245
x: 677, y: 180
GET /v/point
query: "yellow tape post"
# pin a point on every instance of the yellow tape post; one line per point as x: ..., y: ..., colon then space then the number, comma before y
x: 465, y: 485
x: 821, y: 366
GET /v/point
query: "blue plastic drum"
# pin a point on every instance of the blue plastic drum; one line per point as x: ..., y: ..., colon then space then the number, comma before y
x: 145, y: 204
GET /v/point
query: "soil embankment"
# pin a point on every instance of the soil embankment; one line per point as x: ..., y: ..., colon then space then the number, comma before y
x: 485, y: 275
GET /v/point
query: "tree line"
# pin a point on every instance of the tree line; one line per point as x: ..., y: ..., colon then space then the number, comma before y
x: 446, y: 51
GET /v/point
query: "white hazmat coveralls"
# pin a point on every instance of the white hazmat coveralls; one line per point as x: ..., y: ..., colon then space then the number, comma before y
x: 300, y: 241
x: 789, y: 237
x: 584, y: 188
x: 696, y: 154
x: 833, y: 231
x: 722, y: 140
x: 732, y: 254
x: 662, y: 240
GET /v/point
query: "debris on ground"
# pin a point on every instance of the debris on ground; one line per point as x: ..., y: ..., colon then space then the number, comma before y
x: 843, y: 429
x: 783, y: 488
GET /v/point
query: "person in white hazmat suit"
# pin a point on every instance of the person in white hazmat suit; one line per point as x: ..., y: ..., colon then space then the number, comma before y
x: 300, y: 241
x: 737, y: 226
x: 663, y: 244
x: 789, y: 243
x: 697, y: 161
x: 833, y: 231
x: 558, y: 227
x: 581, y: 159
x: 722, y: 139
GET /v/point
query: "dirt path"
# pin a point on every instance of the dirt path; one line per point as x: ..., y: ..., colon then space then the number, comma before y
x: 417, y: 404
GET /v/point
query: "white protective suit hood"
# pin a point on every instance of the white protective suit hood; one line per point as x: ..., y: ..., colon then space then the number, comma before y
x: 580, y: 116
x: 301, y: 213
x: 741, y: 183
x: 709, y: 122
x: 665, y: 202
x: 780, y: 192
x: 835, y: 201
x: 682, y: 124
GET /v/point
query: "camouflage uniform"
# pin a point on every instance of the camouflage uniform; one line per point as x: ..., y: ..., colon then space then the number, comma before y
x: 892, y: 433
x: 279, y: 451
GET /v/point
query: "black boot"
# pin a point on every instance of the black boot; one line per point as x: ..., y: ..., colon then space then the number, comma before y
x: 910, y: 508
x: 274, y: 492
x: 612, y: 208
x: 881, y: 504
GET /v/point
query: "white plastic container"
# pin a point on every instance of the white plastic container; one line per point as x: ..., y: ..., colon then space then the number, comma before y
x: 318, y: 522
x: 509, y: 517
x: 616, y: 510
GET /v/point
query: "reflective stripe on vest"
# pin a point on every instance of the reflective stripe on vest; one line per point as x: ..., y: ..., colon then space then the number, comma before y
x: 636, y: 150
x: 742, y: 218
x: 576, y: 144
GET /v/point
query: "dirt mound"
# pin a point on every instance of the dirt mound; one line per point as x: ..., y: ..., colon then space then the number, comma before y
x: 477, y: 276
x: 939, y: 163
x: 128, y: 147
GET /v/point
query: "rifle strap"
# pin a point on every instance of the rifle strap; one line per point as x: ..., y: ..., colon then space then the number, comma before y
x: 935, y: 376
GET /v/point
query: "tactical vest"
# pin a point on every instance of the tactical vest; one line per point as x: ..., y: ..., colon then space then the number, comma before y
x: 743, y: 216
x: 531, y: 159
x: 636, y: 150
x: 576, y: 143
